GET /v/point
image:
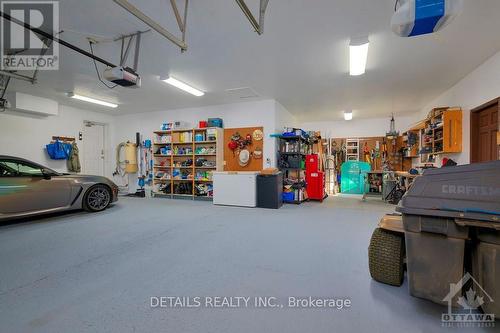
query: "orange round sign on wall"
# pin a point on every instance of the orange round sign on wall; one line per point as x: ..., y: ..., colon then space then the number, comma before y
x: 257, y: 135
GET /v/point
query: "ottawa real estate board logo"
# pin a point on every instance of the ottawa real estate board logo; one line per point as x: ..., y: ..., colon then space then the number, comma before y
x: 463, y: 310
x: 25, y: 49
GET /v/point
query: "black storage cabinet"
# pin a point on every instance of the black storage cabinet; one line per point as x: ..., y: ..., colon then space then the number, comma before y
x: 269, y: 191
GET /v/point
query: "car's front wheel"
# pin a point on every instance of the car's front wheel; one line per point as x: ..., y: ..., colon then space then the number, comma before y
x: 97, y: 198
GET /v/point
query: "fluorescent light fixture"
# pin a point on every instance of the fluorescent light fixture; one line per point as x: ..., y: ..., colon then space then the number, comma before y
x: 348, y: 115
x: 183, y: 86
x: 358, y: 53
x: 92, y: 100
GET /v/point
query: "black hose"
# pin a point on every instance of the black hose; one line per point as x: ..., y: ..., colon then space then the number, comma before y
x: 55, y: 39
x: 97, y: 70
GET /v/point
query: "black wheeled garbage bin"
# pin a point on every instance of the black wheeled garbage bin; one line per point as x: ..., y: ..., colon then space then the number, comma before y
x: 269, y: 191
x: 486, y: 269
x: 441, y: 211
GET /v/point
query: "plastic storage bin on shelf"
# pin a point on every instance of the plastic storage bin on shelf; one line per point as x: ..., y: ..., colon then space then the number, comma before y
x: 215, y: 122
x: 288, y: 196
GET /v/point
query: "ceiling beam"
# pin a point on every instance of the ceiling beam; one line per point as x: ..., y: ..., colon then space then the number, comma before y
x: 177, y: 15
x: 262, y: 13
x: 151, y: 23
x: 257, y: 25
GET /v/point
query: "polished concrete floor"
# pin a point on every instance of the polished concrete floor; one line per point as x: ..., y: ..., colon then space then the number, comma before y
x: 82, y: 272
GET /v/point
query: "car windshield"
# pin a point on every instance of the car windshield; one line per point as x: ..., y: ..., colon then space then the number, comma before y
x: 14, y: 168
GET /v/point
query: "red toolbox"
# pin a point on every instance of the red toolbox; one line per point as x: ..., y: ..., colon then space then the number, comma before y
x: 315, y: 179
x: 316, y: 185
x: 312, y: 163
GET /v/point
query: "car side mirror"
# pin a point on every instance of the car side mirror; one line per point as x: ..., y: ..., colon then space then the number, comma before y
x: 47, y: 174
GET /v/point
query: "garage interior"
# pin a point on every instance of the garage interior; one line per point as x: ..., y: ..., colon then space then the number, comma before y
x: 248, y: 166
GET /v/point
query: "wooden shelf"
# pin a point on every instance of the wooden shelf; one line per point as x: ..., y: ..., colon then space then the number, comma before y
x: 208, y: 128
x: 178, y: 130
x: 203, y: 197
x: 217, y: 157
x: 162, y: 132
x: 449, y: 125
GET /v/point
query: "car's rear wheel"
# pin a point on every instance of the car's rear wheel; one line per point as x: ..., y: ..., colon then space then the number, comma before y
x: 97, y: 198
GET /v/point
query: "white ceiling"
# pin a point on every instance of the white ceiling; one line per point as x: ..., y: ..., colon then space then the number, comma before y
x: 301, y: 60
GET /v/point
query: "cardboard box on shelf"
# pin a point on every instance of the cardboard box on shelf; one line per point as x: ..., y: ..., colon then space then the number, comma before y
x: 270, y: 171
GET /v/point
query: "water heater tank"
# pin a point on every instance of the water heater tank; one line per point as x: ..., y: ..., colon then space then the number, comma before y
x: 420, y: 17
x: 131, y: 158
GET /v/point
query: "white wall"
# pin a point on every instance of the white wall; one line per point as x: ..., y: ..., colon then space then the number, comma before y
x: 247, y: 114
x: 284, y: 118
x: 480, y: 86
x: 358, y: 128
x: 25, y: 135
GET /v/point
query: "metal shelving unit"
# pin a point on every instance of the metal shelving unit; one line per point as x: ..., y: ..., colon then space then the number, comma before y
x: 294, y: 146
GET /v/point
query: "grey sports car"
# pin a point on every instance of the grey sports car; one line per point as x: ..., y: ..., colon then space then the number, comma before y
x: 28, y: 188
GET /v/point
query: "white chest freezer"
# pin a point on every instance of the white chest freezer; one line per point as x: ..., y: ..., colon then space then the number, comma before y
x: 235, y: 188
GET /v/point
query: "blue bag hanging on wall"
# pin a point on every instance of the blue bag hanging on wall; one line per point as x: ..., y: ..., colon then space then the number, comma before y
x: 59, y: 150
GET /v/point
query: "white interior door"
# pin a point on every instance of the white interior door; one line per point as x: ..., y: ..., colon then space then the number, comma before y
x: 93, y: 152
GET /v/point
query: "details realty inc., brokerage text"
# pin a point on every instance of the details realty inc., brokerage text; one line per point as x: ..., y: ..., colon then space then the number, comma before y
x: 241, y: 302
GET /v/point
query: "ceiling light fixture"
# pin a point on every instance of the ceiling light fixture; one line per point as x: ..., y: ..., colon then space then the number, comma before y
x: 348, y: 115
x: 183, y: 86
x: 91, y: 100
x: 358, y: 50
